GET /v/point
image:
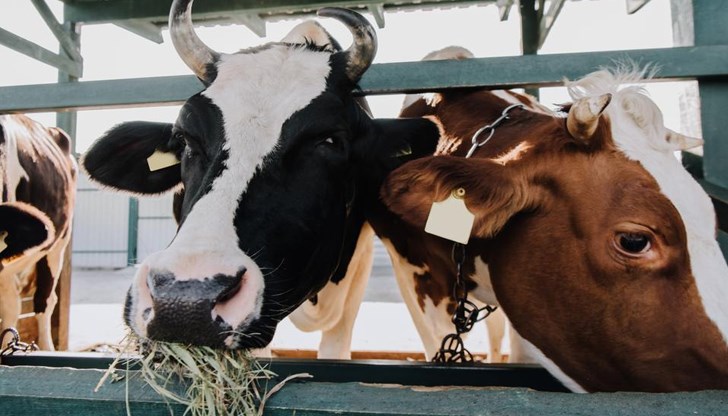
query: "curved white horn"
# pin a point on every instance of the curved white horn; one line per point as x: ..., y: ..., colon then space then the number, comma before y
x: 190, y: 48
x: 584, y: 115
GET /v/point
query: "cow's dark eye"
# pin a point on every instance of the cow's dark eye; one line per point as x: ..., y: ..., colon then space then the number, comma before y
x: 330, y: 141
x: 633, y: 243
x: 192, y: 147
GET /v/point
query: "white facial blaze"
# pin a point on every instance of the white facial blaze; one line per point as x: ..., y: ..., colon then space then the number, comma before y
x: 256, y: 93
x: 637, y: 128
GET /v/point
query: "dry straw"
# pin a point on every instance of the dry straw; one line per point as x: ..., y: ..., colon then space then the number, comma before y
x: 215, y: 382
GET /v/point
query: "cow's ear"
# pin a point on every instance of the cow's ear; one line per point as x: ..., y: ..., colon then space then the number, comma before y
x: 397, y: 141
x: 62, y: 139
x: 119, y: 159
x: 22, y: 229
x: 492, y: 194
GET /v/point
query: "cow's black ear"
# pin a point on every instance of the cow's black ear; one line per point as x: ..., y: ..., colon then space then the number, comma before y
x: 119, y: 159
x: 400, y: 140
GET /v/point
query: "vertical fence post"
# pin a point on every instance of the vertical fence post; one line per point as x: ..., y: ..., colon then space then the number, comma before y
x: 62, y: 313
x: 132, y: 243
x: 530, y: 23
x: 709, y: 21
x: 710, y: 28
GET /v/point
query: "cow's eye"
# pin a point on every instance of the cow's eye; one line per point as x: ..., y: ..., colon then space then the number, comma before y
x: 329, y: 141
x: 633, y: 243
x: 192, y: 147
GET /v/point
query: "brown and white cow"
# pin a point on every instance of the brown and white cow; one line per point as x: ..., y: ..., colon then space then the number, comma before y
x: 38, y: 185
x: 588, y: 232
x: 334, y: 309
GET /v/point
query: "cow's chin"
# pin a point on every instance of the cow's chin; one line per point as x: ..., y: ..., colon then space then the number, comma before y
x: 229, y: 321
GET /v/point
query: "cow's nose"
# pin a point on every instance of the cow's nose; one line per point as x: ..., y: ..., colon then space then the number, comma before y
x: 187, y: 306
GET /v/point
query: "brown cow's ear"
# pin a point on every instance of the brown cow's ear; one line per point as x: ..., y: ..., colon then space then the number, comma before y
x: 492, y: 193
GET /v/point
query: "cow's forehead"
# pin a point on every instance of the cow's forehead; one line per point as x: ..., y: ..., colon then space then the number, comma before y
x: 256, y: 93
x: 264, y: 88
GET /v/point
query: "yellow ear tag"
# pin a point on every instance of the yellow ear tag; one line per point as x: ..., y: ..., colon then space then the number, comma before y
x: 451, y: 219
x: 3, y: 244
x: 160, y: 160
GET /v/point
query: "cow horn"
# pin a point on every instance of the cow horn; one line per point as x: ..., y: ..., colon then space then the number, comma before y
x: 584, y: 115
x: 679, y: 141
x: 363, y: 48
x: 190, y: 48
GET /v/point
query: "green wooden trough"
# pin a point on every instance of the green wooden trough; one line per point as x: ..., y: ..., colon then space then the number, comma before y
x: 63, y: 384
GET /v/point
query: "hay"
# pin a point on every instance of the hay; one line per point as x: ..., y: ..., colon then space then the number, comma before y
x: 216, y: 382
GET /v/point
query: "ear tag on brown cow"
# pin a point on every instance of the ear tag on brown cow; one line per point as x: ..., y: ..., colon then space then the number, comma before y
x: 160, y: 160
x: 451, y: 219
x: 3, y: 244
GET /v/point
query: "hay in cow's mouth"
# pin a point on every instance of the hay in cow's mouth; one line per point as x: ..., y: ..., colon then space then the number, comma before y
x: 207, y: 381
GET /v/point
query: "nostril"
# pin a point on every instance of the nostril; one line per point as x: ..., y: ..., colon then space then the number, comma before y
x: 157, y: 281
x: 229, y: 293
x: 234, y: 288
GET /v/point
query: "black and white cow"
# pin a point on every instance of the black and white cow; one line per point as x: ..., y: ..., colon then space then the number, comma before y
x: 274, y: 155
x: 38, y: 185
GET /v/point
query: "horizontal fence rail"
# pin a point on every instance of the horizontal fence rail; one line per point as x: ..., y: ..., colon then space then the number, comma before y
x: 699, y: 62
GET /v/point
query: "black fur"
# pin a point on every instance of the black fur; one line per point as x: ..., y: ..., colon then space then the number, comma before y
x: 299, y: 217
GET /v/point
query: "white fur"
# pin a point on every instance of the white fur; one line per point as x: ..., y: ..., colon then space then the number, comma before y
x: 638, y: 130
x: 526, y: 349
x: 256, y: 93
x: 434, y: 322
x: 338, y: 303
x: 13, y: 172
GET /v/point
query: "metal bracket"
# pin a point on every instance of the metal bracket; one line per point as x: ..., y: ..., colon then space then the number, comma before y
x: 143, y: 28
x: 548, y: 19
x: 254, y: 22
x: 377, y: 10
x: 633, y: 6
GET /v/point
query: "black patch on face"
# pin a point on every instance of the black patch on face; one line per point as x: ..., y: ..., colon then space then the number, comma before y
x: 200, y: 136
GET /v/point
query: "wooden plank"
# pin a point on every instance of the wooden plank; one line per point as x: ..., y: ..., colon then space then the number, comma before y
x: 33, y: 391
x: 28, y: 328
x: 365, y: 355
x: 705, y: 62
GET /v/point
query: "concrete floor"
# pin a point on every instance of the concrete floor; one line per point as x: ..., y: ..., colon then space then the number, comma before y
x: 383, y: 324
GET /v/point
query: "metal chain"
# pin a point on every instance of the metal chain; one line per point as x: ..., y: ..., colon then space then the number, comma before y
x: 15, y: 344
x: 490, y: 129
x: 452, y: 349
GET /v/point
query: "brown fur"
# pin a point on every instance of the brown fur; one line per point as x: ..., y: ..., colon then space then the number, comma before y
x: 546, y: 225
